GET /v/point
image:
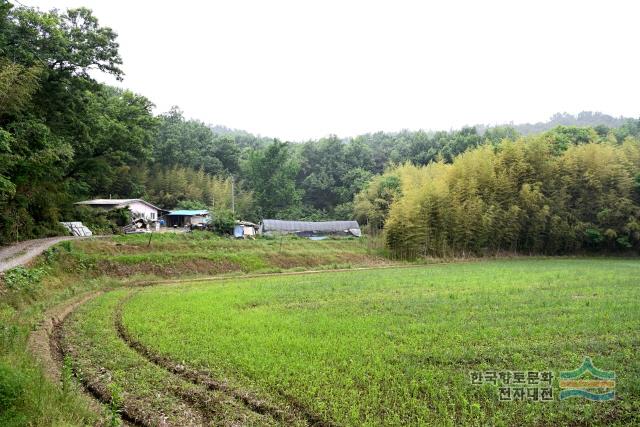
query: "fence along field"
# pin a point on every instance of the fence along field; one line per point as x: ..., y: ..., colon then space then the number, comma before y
x: 391, y: 346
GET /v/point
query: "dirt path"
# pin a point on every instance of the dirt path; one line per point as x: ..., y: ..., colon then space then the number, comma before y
x: 22, y: 252
x: 42, y: 342
x: 45, y: 347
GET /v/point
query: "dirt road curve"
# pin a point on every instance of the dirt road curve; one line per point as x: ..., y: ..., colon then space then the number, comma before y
x: 23, y: 252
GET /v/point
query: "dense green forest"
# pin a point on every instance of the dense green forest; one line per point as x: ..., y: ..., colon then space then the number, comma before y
x: 65, y: 137
x: 526, y: 196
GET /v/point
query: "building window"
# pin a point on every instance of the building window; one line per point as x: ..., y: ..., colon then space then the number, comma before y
x: 152, y: 215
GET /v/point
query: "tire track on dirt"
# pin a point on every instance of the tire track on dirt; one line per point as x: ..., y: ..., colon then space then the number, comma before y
x: 134, y: 411
x: 129, y: 414
x: 300, y: 413
x: 43, y: 343
x: 46, y: 343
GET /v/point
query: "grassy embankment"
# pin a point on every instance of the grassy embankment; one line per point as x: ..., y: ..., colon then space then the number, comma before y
x: 185, y: 255
x: 72, y: 268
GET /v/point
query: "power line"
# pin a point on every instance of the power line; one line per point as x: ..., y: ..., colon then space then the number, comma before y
x: 24, y: 5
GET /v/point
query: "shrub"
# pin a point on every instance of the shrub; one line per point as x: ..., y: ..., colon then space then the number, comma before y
x: 223, y: 221
x: 101, y: 221
x: 10, y: 389
x: 593, y: 236
x: 23, y: 279
x: 119, y: 217
x: 624, y: 242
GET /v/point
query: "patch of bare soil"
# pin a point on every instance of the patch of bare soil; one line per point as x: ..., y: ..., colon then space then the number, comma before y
x: 289, y: 260
x: 48, y: 345
x: 294, y: 415
x: 133, y: 412
x: 43, y: 343
x: 286, y: 260
x: 171, y: 269
x: 363, y: 260
x: 198, y: 405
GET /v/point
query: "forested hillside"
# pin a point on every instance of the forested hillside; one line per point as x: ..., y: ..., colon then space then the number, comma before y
x: 65, y: 137
x: 583, y: 119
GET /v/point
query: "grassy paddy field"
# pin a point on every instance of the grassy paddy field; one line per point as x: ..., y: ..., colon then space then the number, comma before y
x: 74, y: 268
x: 377, y: 347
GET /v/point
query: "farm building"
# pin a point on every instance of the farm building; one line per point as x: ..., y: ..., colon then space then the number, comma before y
x: 184, y: 218
x: 245, y: 229
x: 308, y: 228
x: 138, y: 207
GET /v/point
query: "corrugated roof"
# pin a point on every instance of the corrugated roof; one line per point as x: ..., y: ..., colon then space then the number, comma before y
x: 186, y: 212
x: 106, y: 201
x: 323, y: 226
x: 115, y: 202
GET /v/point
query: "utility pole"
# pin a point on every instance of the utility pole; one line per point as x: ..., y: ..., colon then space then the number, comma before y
x: 212, y: 214
x: 233, y: 197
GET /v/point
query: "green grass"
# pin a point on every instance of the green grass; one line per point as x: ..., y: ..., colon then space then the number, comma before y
x: 201, y: 253
x: 396, y: 346
x: 104, y: 360
x: 74, y: 267
x: 27, y: 397
x: 367, y: 347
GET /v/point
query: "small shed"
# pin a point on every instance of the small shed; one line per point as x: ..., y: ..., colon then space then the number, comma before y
x: 184, y: 218
x: 311, y: 228
x: 245, y: 229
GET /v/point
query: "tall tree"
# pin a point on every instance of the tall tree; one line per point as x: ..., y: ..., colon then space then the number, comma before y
x: 271, y: 173
x: 192, y: 143
x: 44, y: 120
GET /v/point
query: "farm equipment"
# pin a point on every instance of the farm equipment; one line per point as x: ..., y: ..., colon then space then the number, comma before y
x: 137, y: 226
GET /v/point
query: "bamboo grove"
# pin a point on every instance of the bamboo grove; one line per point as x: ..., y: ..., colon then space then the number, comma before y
x: 530, y: 195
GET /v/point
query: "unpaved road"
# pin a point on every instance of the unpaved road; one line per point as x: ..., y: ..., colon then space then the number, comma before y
x: 23, y: 252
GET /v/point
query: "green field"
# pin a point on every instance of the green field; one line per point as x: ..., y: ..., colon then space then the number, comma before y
x: 392, y: 346
x: 74, y: 268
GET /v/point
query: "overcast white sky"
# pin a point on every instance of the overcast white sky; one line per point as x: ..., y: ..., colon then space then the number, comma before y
x: 301, y: 69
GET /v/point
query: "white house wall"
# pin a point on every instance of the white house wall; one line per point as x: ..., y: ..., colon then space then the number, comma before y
x: 140, y: 210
